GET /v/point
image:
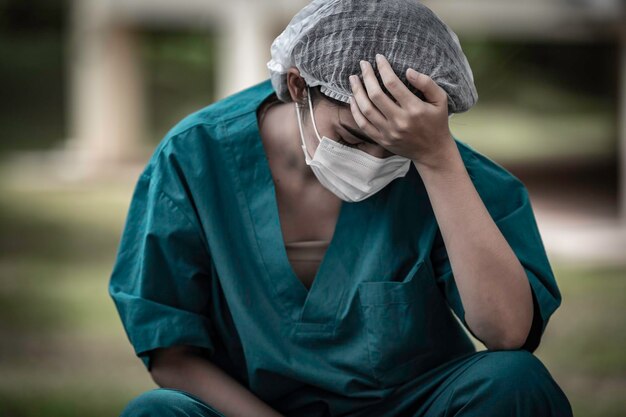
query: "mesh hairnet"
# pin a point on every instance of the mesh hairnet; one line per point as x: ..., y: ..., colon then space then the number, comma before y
x: 327, y: 38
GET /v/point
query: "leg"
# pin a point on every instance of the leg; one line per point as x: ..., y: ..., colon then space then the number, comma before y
x: 168, y: 402
x: 502, y: 383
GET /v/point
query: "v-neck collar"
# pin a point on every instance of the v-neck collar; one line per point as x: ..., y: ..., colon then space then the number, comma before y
x: 314, y: 309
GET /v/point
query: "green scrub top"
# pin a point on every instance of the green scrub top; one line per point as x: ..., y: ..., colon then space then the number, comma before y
x: 202, y: 262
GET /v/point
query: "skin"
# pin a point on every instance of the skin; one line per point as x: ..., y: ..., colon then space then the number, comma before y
x: 307, y: 210
x: 492, y: 283
x: 187, y: 368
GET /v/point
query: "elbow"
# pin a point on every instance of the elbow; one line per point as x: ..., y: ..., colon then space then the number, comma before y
x: 515, y: 336
x: 510, y: 340
x: 496, y: 336
x: 156, y: 373
x: 505, y: 335
x: 155, y: 378
x: 505, y: 345
x: 167, y: 364
x: 164, y: 363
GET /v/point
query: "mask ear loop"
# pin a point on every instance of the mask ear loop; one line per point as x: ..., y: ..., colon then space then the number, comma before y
x: 307, y: 157
x: 311, y: 109
x: 299, y: 121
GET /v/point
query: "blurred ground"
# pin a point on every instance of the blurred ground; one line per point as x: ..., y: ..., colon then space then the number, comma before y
x: 64, y: 351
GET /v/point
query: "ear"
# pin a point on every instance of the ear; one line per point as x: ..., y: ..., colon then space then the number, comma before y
x: 296, y: 85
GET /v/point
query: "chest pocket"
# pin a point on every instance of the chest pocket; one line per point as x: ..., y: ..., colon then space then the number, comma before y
x: 402, y: 324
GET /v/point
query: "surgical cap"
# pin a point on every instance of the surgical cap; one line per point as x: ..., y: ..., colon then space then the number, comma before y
x: 327, y: 38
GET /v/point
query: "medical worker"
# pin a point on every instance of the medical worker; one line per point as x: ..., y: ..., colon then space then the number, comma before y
x: 320, y: 244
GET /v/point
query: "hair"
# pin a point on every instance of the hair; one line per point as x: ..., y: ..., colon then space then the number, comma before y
x: 316, y: 94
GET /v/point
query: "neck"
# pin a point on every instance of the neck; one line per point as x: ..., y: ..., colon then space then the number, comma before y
x: 281, y: 135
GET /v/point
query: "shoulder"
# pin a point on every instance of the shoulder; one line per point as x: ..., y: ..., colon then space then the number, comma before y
x: 226, y: 109
x: 500, y: 190
x: 484, y: 169
x: 195, y: 138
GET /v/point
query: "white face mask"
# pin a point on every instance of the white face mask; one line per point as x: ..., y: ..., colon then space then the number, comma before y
x: 350, y: 173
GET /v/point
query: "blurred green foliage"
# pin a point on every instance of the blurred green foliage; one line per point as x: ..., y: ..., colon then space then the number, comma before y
x: 179, y: 73
x: 32, y: 77
x: 19, y: 16
x: 546, y: 85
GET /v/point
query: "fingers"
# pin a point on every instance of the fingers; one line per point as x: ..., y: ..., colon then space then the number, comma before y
x: 376, y: 94
x: 367, y: 108
x: 433, y: 93
x: 394, y: 85
x: 366, y: 126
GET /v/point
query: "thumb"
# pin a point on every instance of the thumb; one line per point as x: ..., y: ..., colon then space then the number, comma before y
x: 432, y: 92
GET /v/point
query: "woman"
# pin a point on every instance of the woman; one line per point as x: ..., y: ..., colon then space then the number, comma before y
x: 301, y: 247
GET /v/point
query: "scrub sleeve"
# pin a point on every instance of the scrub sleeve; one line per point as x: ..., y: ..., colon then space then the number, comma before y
x: 161, y: 281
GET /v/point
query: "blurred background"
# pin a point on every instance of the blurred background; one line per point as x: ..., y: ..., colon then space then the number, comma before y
x: 89, y: 87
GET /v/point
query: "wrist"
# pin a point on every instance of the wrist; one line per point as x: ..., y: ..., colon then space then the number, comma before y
x: 444, y: 158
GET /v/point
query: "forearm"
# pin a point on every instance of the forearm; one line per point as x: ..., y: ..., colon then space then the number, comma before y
x: 492, y: 283
x: 195, y: 374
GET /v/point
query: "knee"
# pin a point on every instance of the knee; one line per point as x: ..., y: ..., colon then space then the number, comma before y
x: 513, y: 367
x: 515, y: 373
x: 512, y: 370
x: 164, y: 402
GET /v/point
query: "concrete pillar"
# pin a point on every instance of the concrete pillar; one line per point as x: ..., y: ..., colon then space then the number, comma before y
x: 622, y: 124
x: 244, y: 47
x: 106, y: 99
